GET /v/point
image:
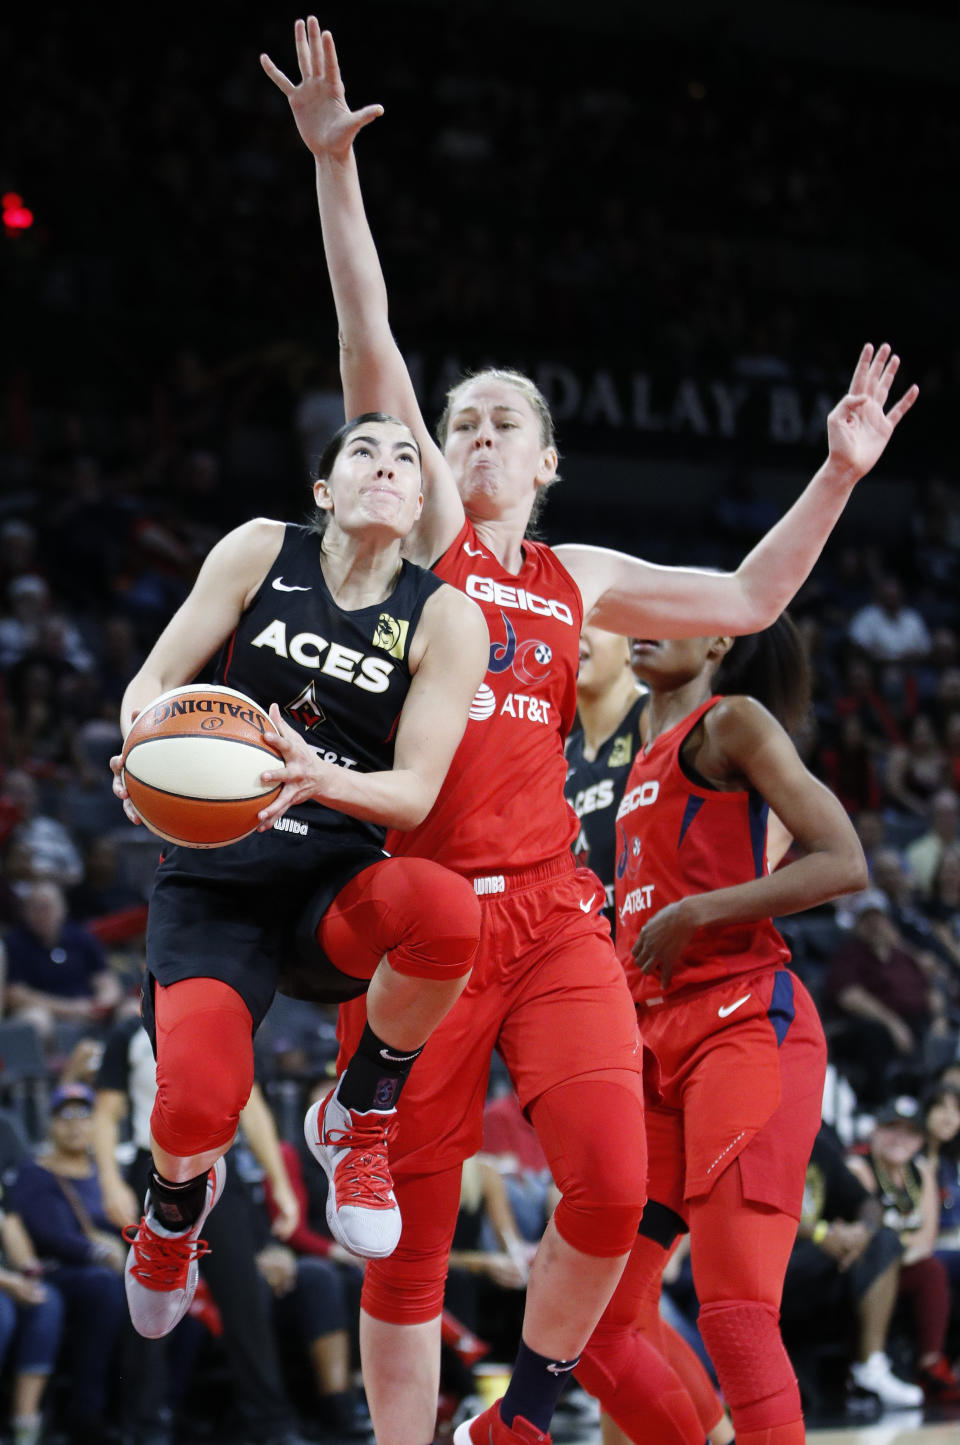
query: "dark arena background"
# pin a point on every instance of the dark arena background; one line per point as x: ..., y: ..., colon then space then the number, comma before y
x: 683, y: 220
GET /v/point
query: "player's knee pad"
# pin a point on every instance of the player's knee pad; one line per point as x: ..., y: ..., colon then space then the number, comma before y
x: 405, y: 1290
x: 743, y: 1340
x: 592, y: 1133
x: 440, y: 916
x: 204, y: 1068
x: 637, y: 1388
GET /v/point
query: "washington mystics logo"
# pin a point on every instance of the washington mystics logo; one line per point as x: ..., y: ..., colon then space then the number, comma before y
x: 629, y: 854
x: 530, y: 662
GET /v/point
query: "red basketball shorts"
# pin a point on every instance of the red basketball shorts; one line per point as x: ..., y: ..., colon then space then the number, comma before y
x: 742, y: 1066
x: 546, y: 990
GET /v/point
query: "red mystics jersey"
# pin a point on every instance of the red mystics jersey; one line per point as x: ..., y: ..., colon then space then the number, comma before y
x: 501, y: 805
x: 676, y: 837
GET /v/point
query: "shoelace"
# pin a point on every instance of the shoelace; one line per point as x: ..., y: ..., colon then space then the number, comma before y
x: 161, y: 1263
x: 363, y: 1174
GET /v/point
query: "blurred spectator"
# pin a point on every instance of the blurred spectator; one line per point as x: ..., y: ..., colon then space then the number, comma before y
x: 916, y: 770
x: 59, y: 1199
x: 848, y: 767
x: 885, y: 1009
x: 939, y: 962
x: 859, y: 694
x: 941, y: 1120
x: 887, y: 630
x: 893, y: 1169
x: 31, y: 1319
x: 53, y: 852
x: 102, y: 890
x: 925, y: 853
x: 511, y: 1146
x: 56, y: 969
x: 42, y: 735
x: 943, y: 905
x: 845, y: 1268
x: 871, y: 830
x: 34, y: 626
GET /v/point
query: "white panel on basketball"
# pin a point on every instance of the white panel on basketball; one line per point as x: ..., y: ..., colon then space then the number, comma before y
x: 216, y: 769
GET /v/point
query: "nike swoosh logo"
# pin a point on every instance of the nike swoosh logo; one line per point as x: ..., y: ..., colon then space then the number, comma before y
x: 586, y: 904
x: 553, y: 1369
x: 397, y: 1058
x: 728, y: 1008
x: 473, y: 551
x: 280, y: 586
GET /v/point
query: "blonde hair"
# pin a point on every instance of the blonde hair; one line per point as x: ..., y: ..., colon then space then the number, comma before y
x: 539, y: 406
x: 527, y: 389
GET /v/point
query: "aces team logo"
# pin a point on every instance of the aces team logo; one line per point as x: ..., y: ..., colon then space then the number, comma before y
x: 391, y: 635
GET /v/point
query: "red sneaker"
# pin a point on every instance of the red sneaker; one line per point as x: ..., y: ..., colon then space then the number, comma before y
x: 940, y: 1382
x: 489, y: 1429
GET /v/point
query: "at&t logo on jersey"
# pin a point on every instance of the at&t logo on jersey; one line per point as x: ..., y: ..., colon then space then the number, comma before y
x: 638, y: 900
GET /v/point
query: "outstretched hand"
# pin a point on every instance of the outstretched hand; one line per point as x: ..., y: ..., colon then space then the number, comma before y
x: 858, y: 428
x: 326, y: 123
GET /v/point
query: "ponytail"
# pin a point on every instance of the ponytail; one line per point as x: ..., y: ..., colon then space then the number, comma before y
x: 772, y: 667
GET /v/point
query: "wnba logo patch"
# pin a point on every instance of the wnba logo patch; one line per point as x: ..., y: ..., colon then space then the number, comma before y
x: 385, y: 1094
x: 391, y: 635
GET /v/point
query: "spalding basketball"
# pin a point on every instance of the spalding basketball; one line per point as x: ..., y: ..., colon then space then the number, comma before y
x: 192, y: 762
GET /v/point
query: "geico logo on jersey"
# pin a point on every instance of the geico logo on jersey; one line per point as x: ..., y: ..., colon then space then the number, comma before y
x: 331, y: 658
x: 592, y: 799
x: 636, y: 901
x: 641, y: 797
x: 485, y: 589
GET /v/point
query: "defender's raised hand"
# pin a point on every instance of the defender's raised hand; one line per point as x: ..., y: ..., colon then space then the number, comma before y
x: 326, y: 123
x: 858, y: 428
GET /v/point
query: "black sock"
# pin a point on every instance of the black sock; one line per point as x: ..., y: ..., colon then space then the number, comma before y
x: 535, y: 1387
x: 376, y: 1074
x: 177, y: 1206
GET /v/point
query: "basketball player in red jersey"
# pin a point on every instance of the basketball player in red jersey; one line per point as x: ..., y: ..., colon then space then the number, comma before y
x: 373, y: 662
x: 546, y: 990
x: 740, y: 1047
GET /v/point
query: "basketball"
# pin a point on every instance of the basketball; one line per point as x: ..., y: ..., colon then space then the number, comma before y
x: 192, y: 762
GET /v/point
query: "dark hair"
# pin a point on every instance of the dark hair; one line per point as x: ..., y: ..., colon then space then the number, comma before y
x: 772, y: 667
x: 935, y: 1095
x: 319, y: 517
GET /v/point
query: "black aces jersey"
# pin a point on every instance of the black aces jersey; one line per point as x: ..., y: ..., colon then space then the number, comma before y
x: 594, y: 790
x: 339, y: 678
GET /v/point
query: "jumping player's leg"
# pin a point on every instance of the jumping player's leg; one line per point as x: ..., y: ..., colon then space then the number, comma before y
x: 739, y: 1253
x: 204, y: 1047
x: 412, y: 928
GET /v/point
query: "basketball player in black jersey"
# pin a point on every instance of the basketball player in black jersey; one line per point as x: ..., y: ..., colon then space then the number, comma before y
x: 368, y: 665
x: 600, y: 749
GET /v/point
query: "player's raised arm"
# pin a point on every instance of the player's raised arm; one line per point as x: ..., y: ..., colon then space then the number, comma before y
x: 625, y: 594
x: 375, y: 376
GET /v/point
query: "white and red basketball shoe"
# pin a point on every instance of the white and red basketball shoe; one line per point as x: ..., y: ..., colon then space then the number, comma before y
x: 351, y: 1148
x: 163, y: 1264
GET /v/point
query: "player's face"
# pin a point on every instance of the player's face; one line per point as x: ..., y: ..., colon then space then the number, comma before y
x: 375, y: 483
x: 604, y: 658
x: 664, y: 666
x: 495, y: 449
